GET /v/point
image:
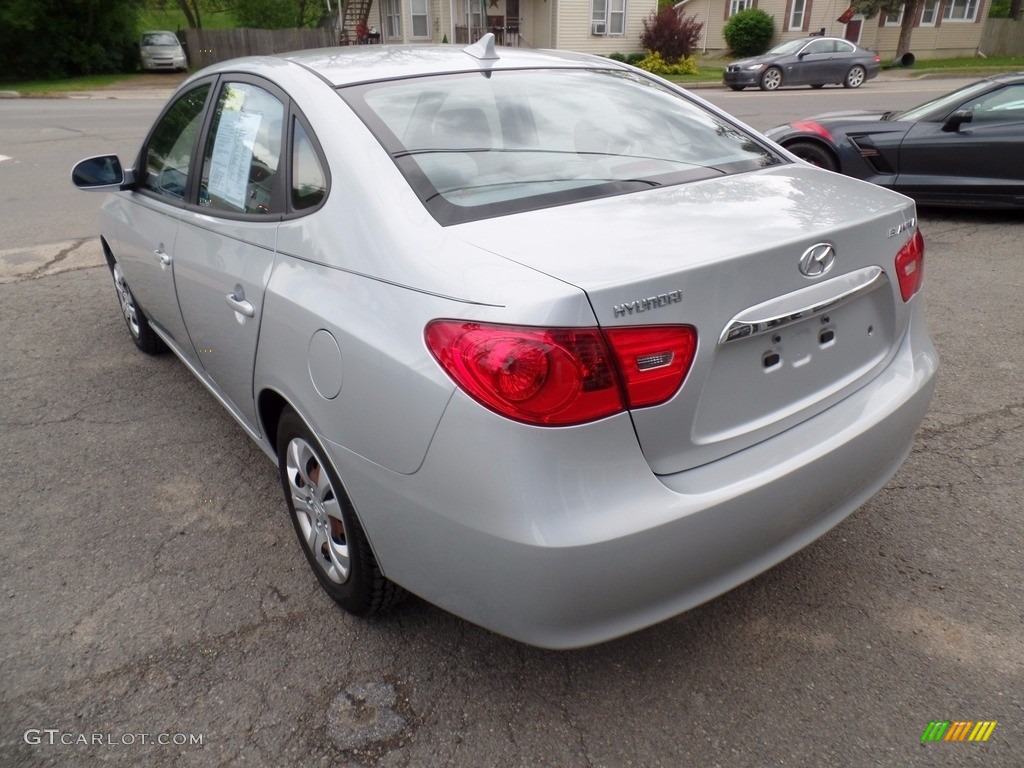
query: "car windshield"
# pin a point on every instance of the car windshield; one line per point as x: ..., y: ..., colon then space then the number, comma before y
x: 476, y: 145
x: 943, y: 104
x: 159, y: 38
x: 791, y: 47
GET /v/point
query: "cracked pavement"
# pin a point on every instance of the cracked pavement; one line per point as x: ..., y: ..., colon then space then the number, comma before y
x: 152, y: 583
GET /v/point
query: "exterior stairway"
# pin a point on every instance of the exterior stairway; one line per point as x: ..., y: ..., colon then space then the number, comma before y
x: 355, y: 11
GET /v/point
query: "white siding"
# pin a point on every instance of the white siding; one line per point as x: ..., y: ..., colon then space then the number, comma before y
x: 572, y: 28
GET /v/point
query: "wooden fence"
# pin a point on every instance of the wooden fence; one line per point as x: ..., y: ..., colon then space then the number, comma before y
x: 208, y: 46
x: 1002, y: 37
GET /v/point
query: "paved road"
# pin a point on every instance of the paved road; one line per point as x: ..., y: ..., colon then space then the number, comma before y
x: 153, y: 590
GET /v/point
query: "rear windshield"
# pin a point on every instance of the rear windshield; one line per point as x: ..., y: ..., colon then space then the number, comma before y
x: 474, y: 146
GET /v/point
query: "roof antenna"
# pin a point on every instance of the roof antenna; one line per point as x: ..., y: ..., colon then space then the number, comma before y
x: 483, y: 48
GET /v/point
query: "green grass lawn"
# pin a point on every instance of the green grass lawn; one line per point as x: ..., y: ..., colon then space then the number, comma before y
x: 59, y: 87
x: 173, y: 19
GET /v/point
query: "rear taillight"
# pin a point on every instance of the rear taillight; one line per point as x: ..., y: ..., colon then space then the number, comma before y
x: 910, y: 266
x: 562, y: 376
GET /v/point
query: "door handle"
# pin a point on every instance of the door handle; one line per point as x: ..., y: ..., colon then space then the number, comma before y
x: 165, y: 258
x: 240, y: 305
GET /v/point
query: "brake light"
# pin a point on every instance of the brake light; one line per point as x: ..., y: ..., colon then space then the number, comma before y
x: 562, y: 376
x: 910, y: 266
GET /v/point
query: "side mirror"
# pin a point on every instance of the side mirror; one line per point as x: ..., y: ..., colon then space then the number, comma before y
x: 958, y: 118
x: 103, y: 172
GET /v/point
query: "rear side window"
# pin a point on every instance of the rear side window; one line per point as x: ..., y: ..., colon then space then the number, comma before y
x: 169, y: 151
x: 309, y: 182
x: 243, y: 152
x: 473, y: 147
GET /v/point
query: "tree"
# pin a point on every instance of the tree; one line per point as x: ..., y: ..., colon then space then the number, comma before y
x: 911, y: 10
x: 191, y: 10
x: 275, y: 14
x: 55, y: 38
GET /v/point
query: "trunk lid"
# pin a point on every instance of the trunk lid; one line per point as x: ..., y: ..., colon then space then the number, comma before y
x: 775, y: 346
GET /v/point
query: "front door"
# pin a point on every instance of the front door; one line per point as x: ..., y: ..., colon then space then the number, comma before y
x: 853, y: 28
x: 147, y: 253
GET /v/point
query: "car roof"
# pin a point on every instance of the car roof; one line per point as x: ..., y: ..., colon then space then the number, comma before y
x: 1007, y: 77
x: 366, y: 63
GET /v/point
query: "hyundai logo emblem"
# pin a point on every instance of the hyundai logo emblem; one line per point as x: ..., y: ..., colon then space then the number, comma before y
x: 817, y: 260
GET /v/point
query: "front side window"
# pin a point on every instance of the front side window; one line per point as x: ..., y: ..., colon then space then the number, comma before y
x: 820, y: 46
x: 473, y: 147
x: 420, y: 20
x: 243, y: 151
x: 960, y: 10
x: 168, y: 153
x: 608, y: 17
x: 1002, y: 105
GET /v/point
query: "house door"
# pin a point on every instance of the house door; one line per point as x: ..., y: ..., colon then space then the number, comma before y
x: 512, y: 22
x: 535, y: 23
x: 853, y: 30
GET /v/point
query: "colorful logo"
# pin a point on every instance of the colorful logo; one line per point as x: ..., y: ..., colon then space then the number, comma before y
x: 958, y: 730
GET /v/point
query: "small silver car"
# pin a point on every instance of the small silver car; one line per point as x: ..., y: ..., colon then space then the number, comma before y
x: 160, y: 49
x: 536, y: 336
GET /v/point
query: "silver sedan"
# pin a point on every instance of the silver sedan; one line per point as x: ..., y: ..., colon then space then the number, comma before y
x: 538, y: 337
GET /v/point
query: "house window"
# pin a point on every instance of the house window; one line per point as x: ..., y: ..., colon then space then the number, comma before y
x: 929, y: 13
x: 960, y: 10
x: 797, y: 14
x: 893, y: 19
x: 392, y: 19
x: 735, y: 6
x: 420, y: 22
x: 608, y: 17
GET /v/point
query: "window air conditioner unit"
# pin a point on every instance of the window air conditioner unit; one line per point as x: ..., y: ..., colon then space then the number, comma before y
x: 597, y: 28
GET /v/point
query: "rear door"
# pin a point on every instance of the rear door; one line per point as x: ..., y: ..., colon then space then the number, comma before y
x: 226, y: 244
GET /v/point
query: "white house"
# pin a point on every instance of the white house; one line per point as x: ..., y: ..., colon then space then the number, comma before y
x: 588, y: 26
x: 944, y: 28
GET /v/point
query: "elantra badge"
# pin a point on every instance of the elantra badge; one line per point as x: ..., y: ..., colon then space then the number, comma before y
x: 817, y: 260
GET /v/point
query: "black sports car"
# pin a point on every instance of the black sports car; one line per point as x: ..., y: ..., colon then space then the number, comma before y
x: 962, y: 149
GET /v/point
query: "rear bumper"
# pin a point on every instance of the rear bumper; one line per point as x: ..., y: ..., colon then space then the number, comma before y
x: 564, y: 538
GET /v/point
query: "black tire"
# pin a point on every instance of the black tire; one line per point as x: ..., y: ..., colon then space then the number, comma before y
x: 325, y: 522
x: 771, y: 79
x: 737, y: 87
x: 817, y: 85
x: 815, y: 154
x: 855, y: 77
x: 142, y: 333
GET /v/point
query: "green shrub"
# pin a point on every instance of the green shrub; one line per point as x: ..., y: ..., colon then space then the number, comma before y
x: 655, y: 64
x: 749, y: 32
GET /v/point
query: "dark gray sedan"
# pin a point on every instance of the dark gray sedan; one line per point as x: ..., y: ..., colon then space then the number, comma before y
x: 813, y: 61
x: 961, y: 149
